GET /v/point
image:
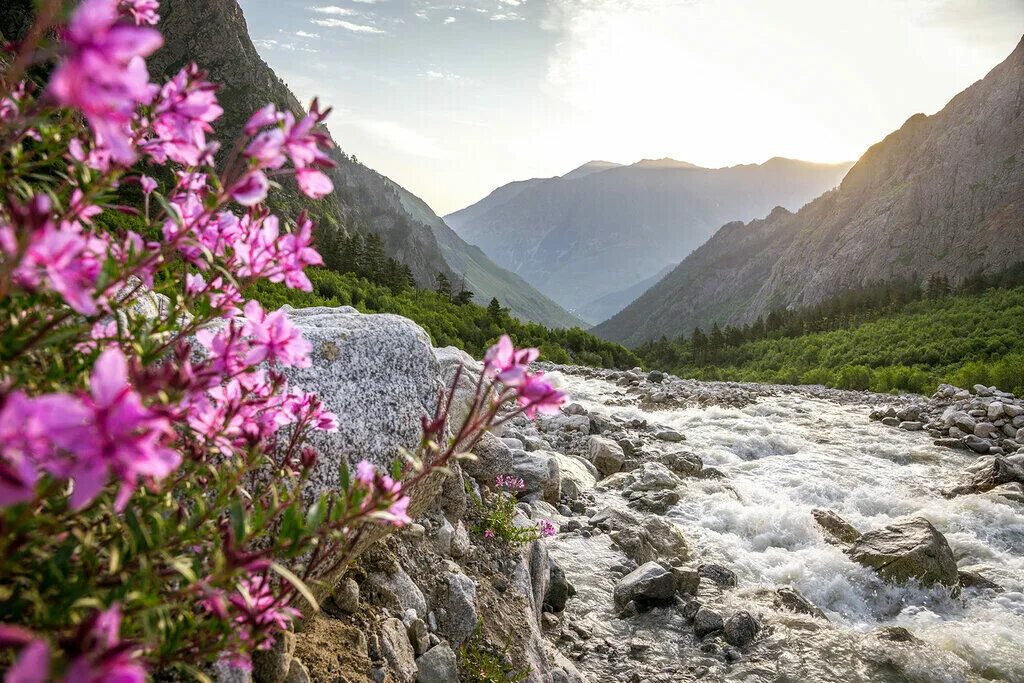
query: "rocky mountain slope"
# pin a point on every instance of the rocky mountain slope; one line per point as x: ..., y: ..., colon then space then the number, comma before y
x: 604, y: 228
x: 215, y: 36
x: 943, y: 194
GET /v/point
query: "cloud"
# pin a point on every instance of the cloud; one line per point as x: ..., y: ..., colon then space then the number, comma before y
x: 347, y: 25
x: 305, y: 34
x: 272, y: 44
x: 333, y: 10
x: 442, y: 76
x: 506, y: 16
x: 449, y: 20
x: 406, y: 139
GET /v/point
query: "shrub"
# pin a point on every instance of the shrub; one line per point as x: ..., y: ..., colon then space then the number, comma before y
x: 153, y: 466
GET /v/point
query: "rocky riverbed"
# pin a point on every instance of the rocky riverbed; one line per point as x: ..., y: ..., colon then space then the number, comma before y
x: 694, y: 546
x: 705, y: 532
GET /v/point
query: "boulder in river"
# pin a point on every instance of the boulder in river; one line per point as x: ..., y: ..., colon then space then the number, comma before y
x: 606, y: 455
x: 706, y: 622
x: 741, y: 629
x: 649, y: 584
x: 837, y: 530
x: 790, y: 599
x: 906, y: 550
x: 990, y: 473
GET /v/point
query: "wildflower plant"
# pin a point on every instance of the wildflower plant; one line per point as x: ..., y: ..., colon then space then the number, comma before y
x: 153, y: 466
x: 498, y: 515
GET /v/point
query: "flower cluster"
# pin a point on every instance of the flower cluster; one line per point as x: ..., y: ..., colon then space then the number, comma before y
x: 156, y: 463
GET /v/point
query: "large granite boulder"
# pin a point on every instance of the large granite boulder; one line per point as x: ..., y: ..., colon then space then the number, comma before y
x: 906, y: 550
x: 540, y: 472
x: 649, y: 584
x: 606, y: 455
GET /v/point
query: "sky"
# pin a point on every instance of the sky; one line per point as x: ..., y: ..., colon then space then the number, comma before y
x: 452, y: 99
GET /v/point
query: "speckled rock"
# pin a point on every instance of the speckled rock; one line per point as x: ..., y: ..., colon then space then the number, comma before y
x: 438, y: 665
x: 910, y: 549
x: 397, y: 650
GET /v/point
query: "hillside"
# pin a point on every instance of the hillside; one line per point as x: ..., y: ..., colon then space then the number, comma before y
x: 943, y: 194
x: 604, y: 228
x: 962, y: 340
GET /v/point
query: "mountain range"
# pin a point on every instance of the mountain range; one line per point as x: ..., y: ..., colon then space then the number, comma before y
x: 944, y: 194
x: 216, y: 37
x: 592, y: 238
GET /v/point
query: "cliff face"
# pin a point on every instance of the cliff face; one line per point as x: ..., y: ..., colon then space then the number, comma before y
x: 943, y: 194
x: 602, y: 229
x: 214, y: 35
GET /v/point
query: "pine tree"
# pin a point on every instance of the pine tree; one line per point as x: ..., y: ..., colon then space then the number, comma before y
x: 494, y: 310
x: 444, y: 285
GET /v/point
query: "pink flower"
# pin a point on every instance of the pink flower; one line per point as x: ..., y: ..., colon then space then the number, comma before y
x: 264, y: 117
x: 537, y: 395
x: 397, y: 512
x: 546, y: 528
x: 143, y: 11
x: 267, y: 149
x: 260, y: 608
x: 314, y: 184
x: 105, y: 657
x: 507, y: 363
x: 274, y: 338
x: 182, y: 114
x: 33, y: 663
x: 488, y: 533
x: 365, y: 473
x: 251, y: 189
x: 104, y: 75
x: 126, y: 437
x: 148, y: 184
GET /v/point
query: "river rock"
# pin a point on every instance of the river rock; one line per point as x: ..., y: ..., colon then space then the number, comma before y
x: 346, y: 596
x: 493, y: 457
x: 707, y: 622
x: 977, y: 444
x: 578, y: 475
x: 655, y: 538
x: 651, y: 476
x: 741, y: 629
x: 989, y: 473
x: 791, y: 599
x: 722, y: 577
x: 837, y: 530
x: 670, y: 435
x: 648, y: 584
x: 438, y: 665
x: 540, y: 472
x: 682, y: 463
x: 606, y: 455
x: 910, y: 549
x: 559, y: 590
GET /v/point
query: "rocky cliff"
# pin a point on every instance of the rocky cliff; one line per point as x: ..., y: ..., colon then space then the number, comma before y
x: 943, y: 194
x: 603, y: 228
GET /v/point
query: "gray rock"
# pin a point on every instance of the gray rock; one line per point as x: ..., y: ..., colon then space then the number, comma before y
x: 419, y: 637
x: 271, y: 666
x: 989, y: 473
x: 741, y: 629
x: 655, y: 538
x: 837, y: 530
x: 977, y: 444
x: 346, y: 596
x: 578, y: 475
x: 395, y: 590
x: 707, y: 622
x: 791, y: 599
x: 910, y: 549
x: 461, y: 542
x: 438, y: 665
x: 682, y: 463
x: 670, y: 435
x: 717, y: 574
x: 985, y: 430
x: 297, y: 672
x: 397, y: 650
x: 456, y: 604
x: 493, y: 458
x: 648, y: 584
x: 995, y: 411
x: 962, y: 421
x: 559, y: 590
x: 377, y: 373
x: 895, y: 634
x: 651, y: 476
x: 606, y: 455
x: 656, y: 376
x: 911, y: 426
x: 891, y: 421
x: 540, y: 472
x: 1012, y: 410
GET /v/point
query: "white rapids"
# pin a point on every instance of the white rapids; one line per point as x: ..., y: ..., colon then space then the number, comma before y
x: 785, y: 455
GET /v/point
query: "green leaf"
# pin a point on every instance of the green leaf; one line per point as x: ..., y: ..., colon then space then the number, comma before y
x: 237, y: 512
x: 298, y: 584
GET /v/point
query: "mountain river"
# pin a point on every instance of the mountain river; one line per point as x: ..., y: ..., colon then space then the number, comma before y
x: 783, y: 456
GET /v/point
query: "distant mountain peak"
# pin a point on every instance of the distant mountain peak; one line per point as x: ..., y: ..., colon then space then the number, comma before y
x: 664, y: 162
x: 586, y: 169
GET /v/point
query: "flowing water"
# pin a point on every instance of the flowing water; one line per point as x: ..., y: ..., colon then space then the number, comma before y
x: 785, y: 455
